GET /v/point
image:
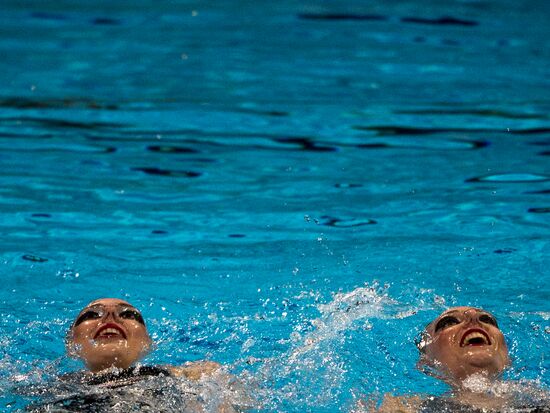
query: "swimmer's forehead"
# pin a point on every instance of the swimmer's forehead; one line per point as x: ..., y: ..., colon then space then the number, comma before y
x: 109, y: 302
x: 459, y: 310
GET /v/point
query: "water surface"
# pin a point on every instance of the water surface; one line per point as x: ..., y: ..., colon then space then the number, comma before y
x: 291, y: 188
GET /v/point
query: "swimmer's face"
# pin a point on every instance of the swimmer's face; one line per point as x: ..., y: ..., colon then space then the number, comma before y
x: 109, y: 333
x: 463, y: 341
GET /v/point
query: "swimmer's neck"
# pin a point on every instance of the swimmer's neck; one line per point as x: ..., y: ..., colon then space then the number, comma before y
x: 480, y: 393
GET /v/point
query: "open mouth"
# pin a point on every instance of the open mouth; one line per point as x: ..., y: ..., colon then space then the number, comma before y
x: 108, y: 331
x: 475, y: 337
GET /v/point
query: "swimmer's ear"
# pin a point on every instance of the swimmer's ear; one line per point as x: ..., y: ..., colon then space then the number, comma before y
x: 429, y: 368
x: 148, y: 346
x: 424, y: 365
x: 70, y: 346
x: 508, y: 361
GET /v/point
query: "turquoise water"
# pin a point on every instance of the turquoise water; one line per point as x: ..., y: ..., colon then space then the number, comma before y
x: 291, y: 188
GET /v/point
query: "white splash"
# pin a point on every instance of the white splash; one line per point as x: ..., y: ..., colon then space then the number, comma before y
x: 311, y: 373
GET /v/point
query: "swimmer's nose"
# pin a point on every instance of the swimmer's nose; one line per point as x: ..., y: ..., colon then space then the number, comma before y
x: 110, y: 315
x: 472, y: 316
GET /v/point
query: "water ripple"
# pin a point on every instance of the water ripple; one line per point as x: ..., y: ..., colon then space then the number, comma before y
x: 167, y: 172
x: 510, y: 178
x: 442, y: 21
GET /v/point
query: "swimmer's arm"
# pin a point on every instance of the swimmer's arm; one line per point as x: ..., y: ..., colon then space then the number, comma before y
x: 195, y: 370
x: 399, y: 404
x: 390, y: 404
x: 234, y: 390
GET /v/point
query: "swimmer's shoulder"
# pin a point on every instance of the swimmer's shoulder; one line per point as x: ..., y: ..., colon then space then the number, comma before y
x: 190, y: 370
x: 116, y: 376
x: 437, y: 404
x: 444, y: 404
x: 389, y: 404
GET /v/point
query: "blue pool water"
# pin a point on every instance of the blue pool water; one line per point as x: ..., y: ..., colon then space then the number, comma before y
x: 290, y: 188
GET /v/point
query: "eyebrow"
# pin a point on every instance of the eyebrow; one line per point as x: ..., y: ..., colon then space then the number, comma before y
x: 479, y: 310
x: 447, y: 313
x: 119, y: 305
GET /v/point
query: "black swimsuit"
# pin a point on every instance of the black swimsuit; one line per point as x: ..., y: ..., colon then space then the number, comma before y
x: 446, y: 405
x: 124, y: 377
x: 136, y: 389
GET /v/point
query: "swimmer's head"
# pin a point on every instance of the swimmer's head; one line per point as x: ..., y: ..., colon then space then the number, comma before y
x: 464, y: 341
x: 108, y: 333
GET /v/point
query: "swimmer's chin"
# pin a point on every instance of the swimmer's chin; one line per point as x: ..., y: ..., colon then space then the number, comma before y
x: 107, y: 364
x: 483, y: 359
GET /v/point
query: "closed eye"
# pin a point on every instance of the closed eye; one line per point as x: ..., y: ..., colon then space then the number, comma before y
x: 87, y: 315
x: 488, y: 319
x: 445, y: 322
x: 132, y: 315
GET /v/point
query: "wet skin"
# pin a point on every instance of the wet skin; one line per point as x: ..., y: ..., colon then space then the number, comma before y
x: 464, y: 341
x: 109, y: 333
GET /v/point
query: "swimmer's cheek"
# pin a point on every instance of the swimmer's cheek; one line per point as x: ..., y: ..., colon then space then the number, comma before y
x: 195, y: 370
